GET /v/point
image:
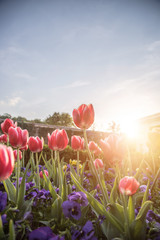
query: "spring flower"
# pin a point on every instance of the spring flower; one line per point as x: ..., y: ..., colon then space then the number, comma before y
x: 86, y: 233
x: 43, y: 233
x: 128, y: 185
x: 93, y: 147
x: 6, y: 162
x: 77, y: 142
x: 79, y: 197
x: 113, y: 147
x: 15, y: 155
x: 35, y: 144
x: 98, y: 163
x: 3, y: 200
x: 58, y: 140
x: 3, y: 138
x: 7, y: 124
x: 83, y: 117
x: 24, y: 148
x: 41, y: 173
x: 17, y: 137
x: 71, y: 209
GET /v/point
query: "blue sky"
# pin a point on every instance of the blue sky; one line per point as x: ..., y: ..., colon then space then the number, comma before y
x: 58, y: 54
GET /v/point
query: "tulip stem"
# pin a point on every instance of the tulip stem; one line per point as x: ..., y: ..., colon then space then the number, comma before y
x: 78, y: 163
x: 52, y: 158
x: 18, y: 175
x: 126, y: 216
x: 23, y: 154
x: 32, y: 163
x: 38, y: 177
x: 104, y: 193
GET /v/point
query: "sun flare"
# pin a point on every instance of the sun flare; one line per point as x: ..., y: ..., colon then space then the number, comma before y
x: 130, y: 128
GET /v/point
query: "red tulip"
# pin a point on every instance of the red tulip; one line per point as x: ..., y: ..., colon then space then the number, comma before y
x: 128, y: 185
x: 7, y: 124
x: 83, y: 117
x: 15, y: 155
x: 58, y: 140
x: 18, y: 137
x: 41, y: 173
x: 35, y: 144
x: 93, y: 147
x: 6, y: 162
x: 3, y: 138
x: 77, y: 142
x: 98, y: 163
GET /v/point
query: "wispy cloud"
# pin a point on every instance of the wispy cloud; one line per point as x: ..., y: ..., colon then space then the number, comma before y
x: 78, y: 84
x: 12, y: 102
x: 154, y: 45
x: 25, y: 76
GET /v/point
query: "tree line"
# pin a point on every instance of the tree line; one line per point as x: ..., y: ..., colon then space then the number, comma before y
x: 60, y: 119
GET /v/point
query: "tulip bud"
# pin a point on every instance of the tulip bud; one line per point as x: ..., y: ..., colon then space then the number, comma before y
x: 93, y: 147
x: 83, y: 117
x: 98, y: 163
x: 18, y: 137
x: 35, y: 144
x: 6, y: 162
x: 128, y: 185
x: 77, y: 142
x: 41, y: 173
x: 7, y: 124
x: 3, y: 138
x: 58, y: 140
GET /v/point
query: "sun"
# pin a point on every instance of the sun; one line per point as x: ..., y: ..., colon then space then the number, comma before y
x: 130, y: 128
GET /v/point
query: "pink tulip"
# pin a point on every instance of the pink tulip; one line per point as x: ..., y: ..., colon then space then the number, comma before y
x: 41, y: 173
x: 93, y: 147
x: 83, y: 117
x: 113, y: 147
x: 35, y: 144
x: 3, y: 138
x: 24, y: 148
x: 128, y: 185
x: 15, y: 155
x: 98, y: 163
x: 77, y: 142
x: 17, y: 137
x: 6, y: 162
x: 58, y: 140
x: 7, y: 124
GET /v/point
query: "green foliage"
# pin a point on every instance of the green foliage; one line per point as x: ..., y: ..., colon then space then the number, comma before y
x: 63, y: 119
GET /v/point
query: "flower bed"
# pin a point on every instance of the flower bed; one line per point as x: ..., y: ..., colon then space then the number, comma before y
x: 45, y: 196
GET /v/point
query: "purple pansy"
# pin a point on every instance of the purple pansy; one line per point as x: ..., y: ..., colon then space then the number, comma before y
x: 85, y: 233
x: 43, y: 233
x: 79, y: 197
x: 71, y: 209
x: 3, y: 200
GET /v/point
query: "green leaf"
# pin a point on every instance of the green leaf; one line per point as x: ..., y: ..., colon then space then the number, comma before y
x: 10, y: 189
x: 131, y: 212
x: 113, y: 195
x: 49, y: 185
x: 56, y: 210
x: 64, y: 193
x: 145, y: 197
x: 143, y: 211
x: 11, y: 230
x: 22, y: 189
x: 98, y: 207
x: 1, y: 229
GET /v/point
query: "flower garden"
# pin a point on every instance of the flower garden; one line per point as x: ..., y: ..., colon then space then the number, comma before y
x: 103, y: 197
